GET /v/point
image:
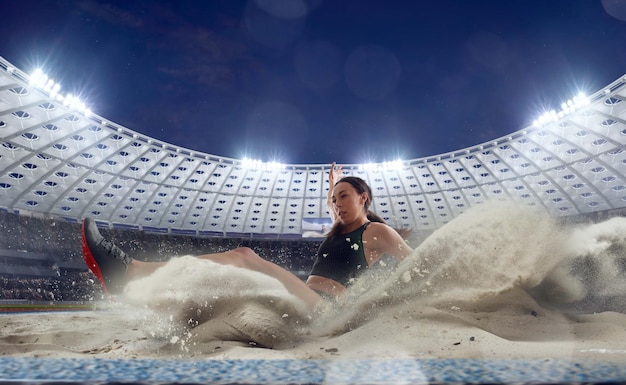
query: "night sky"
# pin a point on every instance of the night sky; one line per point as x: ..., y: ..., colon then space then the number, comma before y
x: 316, y: 81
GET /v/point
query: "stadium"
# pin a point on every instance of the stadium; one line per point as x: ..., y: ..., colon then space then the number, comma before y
x: 64, y: 162
x: 61, y: 162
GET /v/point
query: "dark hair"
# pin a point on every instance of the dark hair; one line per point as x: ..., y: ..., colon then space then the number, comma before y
x: 361, y: 187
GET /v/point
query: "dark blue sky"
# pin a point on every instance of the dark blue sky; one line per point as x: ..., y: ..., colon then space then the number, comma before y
x: 316, y: 81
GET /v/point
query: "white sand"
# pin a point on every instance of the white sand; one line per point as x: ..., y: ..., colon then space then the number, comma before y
x: 471, y: 290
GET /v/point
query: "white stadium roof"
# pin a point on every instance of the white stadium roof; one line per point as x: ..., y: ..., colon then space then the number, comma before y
x: 59, y: 159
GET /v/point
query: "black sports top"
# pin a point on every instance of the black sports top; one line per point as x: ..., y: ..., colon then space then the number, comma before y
x: 341, y: 258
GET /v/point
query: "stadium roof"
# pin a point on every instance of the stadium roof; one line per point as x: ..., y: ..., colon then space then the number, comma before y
x: 59, y: 159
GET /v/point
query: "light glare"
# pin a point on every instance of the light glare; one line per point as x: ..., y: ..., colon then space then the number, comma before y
x: 39, y: 79
x: 384, y: 166
x: 579, y: 101
x: 255, y: 164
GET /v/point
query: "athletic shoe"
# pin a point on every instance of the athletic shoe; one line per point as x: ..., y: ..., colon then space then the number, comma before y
x: 107, y: 261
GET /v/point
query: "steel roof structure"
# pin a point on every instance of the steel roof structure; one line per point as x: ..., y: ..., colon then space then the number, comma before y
x: 62, y: 161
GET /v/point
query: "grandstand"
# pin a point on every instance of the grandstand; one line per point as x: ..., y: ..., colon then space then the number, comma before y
x: 59, y: 163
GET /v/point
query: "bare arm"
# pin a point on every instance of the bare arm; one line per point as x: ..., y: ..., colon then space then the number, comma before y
x: 334, y: 175
x: 384, y: 239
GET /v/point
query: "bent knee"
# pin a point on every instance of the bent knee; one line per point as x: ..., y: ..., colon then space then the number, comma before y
x: 244, y: 252
x: 247, y: 257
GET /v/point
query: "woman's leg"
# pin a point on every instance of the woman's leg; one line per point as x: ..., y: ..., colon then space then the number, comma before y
x: 243, y: 257
x: 114, y: 268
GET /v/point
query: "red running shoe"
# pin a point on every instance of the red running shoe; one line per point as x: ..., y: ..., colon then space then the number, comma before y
x: 105, y: 259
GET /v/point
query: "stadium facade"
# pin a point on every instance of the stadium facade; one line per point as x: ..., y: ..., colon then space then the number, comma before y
x: 61, y: 161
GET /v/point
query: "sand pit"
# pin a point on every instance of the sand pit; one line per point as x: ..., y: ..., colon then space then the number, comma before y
x: 498, y: 282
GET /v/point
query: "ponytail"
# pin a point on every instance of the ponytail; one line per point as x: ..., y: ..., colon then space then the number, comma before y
x: 372, y: 217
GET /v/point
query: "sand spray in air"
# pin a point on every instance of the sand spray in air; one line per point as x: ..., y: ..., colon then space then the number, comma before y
x: 496, y: 248
x: 487, y: 250
x: 203, y: 300
x: 490, y: 249
x: 592, y: 275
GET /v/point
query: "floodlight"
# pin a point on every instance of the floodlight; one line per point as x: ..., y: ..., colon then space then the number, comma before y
x: 39, y: 79
x: 366, y: 166
x: 568, y: 107
x: 55, y: 90
x: 35, y: 76
x: 49, y: 84
x: 67, y: 100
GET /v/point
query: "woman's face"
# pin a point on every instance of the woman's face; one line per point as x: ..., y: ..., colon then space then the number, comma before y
x: 347, y: 202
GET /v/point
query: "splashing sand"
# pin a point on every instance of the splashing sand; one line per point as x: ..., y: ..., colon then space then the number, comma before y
x: 501, y: 280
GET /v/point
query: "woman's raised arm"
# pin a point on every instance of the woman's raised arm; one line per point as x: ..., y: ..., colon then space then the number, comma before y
x: 336, y: 172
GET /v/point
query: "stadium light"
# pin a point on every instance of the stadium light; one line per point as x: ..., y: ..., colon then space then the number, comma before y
x: 384, y: 166
x: 255, y: 164
x: 579, y: 101
x: 40, y: 80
